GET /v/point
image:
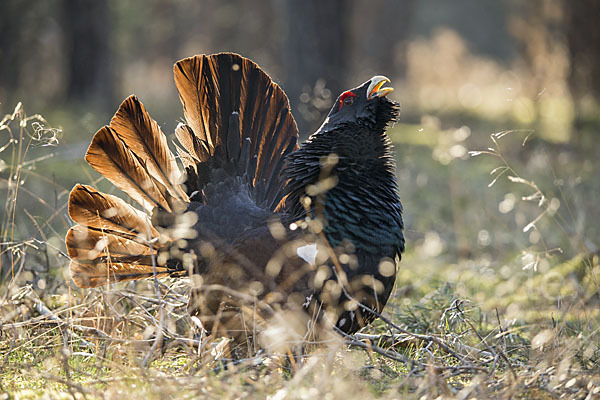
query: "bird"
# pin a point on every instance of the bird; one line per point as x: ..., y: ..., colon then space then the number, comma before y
x: 261, y: 225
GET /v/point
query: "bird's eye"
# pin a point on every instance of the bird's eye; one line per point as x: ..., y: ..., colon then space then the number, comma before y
x: 346, y: 99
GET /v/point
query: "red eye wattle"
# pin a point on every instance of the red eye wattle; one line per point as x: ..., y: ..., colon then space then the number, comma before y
x: 347, y: 98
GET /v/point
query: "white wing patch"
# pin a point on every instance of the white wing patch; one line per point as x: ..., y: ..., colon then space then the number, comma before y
x: 308, y: 253
x: 308, y: 300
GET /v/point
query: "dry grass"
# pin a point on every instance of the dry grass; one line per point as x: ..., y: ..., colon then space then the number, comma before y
x: 460, y: 324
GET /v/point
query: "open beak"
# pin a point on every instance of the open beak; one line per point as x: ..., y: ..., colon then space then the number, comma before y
x: 375, y: 88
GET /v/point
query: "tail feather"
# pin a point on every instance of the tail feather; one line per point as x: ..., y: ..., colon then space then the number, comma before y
x: 132, y: 153
x: 113, y: 241
x: 274, y: 193
x: 194, y: 146
x: 112, y: 158
x: 89, y: 207
x: 99, y: 257
x: 233, y: 136
x: 143, y: 136
x: 242, y: 117
x: 188, y: 160
x: 91, y: 244
x: 90, y: 275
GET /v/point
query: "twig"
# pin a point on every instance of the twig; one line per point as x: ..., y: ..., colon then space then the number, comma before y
x: 159, y: 327
x: 501, y: 353
x: 386, y: 353
x: 42, y: 309
x: 427, y: 338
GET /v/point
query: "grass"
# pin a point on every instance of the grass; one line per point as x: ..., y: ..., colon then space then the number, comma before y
x: 497, y: 295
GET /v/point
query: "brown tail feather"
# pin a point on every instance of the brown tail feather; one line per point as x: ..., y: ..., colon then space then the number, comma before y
x: 132, y: 153
x: 91, y: 244
x: 112, y: 242
x: 142, y: 135
x: 90, y: 275
x: 99, y: 257
x: 230, y: 103
x: 105, y: 212
x: 196, y: 147
x: 112, y: 158
x: 188, y: 160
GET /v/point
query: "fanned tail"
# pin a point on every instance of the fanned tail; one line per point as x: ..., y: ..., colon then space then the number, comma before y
x: 238, y: 125
x: 238, y: 120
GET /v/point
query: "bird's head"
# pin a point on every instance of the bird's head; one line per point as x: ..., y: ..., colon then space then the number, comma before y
x: 365, y: 105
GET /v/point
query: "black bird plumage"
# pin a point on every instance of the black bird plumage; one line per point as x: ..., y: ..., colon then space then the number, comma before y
x: 363, y: 209
x: 249, y: 200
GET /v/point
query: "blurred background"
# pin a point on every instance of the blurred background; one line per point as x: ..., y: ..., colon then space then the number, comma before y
x: 497, y: 148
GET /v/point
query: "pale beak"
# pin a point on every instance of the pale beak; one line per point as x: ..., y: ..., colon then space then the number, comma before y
x: 375, y: 88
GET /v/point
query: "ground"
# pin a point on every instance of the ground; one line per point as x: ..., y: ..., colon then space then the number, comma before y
x: 496, y: 296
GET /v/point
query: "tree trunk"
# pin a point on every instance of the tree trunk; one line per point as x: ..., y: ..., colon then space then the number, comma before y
x: 89, y: 60
x: 315, y: 54
x: 382, y: 32
x: 583, y: 41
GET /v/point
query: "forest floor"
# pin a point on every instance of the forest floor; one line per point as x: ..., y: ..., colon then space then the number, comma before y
x: 496, y: 297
